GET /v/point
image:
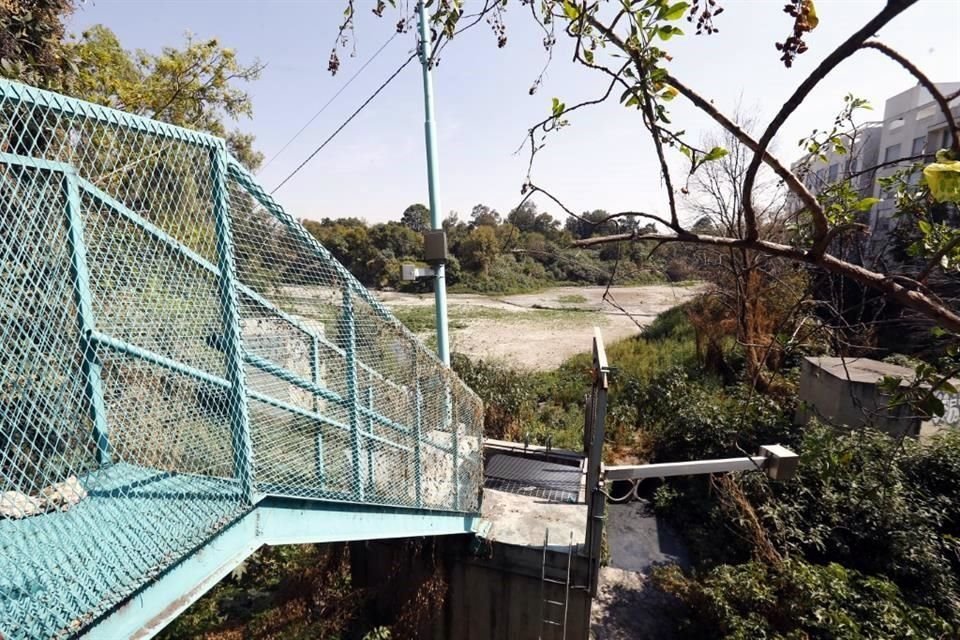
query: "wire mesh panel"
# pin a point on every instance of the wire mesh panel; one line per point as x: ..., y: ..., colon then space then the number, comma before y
x: 173, y: 348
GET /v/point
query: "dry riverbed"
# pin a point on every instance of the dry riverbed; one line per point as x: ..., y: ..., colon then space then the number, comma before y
x: 539, y: 330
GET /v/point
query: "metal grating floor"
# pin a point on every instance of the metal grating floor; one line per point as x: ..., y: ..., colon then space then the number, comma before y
x: 134, y: 523
x: 528, y: 477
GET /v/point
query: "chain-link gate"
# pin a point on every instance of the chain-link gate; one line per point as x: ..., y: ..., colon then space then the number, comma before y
x: 173, y: 347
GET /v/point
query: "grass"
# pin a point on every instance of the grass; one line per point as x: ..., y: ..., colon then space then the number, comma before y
x: 573, y: 298
x: 550, y: 403
x: 420, y: 318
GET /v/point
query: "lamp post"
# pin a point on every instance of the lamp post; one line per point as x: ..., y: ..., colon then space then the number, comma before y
x: 436, y: 220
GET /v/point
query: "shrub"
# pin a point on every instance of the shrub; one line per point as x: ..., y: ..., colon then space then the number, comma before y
x: 508, y: 395
x: 798, y: 601
x: 692, y: 419
x: 863, y: 500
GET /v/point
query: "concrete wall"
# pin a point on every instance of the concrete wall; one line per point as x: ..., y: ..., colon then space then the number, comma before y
x: 497, y: 596
x: 493, y: 590
x: 840, y: 401
x: 845, y: 392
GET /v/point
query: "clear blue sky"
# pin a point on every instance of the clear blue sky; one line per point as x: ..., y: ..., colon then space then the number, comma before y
x: 376, y: 167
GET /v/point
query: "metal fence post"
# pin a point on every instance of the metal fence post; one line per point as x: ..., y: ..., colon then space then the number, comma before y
x: 418, y: 442
x: 370, y: 478
x: 353, y: 395
x: 454, y: 443
x: 86, y: 324
x: 315, y: 376
x: 230, y: 313
x: 596, y: 494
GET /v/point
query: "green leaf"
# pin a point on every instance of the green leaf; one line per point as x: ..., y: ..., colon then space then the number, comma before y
x: 866, y: 203
x: 558, y: 107
x: 925, y: 227
x: 571, y: 10
x: 674, y: 12
x: 588, y: 56
x: 715, y: 154
x: 666, y: 32
x: 668, y: 94
x: 933, y: 406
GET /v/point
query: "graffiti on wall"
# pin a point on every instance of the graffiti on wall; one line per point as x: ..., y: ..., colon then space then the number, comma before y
x: 951, y: 410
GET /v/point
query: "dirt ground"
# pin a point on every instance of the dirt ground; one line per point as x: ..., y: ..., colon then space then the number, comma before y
x: 539, y: 331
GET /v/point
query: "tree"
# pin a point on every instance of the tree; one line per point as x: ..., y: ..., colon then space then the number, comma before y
x: 348, y: 240
x: 484, y: 215
x: 32, y: 46
x: 481, y: 248
x: 194, y: 86
x: 397, y: 240
x: 757, y: 293
x: 416, y: 217
x: 524, y: 217
x: 591, y: 223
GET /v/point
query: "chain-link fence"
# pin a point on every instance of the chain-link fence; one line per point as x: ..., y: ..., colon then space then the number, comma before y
x: 173, y: 347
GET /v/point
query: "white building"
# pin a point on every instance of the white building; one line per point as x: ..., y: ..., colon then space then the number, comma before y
x: 912, y: 130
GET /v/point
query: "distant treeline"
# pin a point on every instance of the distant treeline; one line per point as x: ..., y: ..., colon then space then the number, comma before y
x: 490, y: 253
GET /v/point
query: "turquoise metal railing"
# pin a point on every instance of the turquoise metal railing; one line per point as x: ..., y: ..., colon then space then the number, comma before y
x: 174, y: 348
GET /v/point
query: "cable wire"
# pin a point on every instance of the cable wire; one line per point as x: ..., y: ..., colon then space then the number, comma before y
x: 347, y: 121
x: 330, y: 101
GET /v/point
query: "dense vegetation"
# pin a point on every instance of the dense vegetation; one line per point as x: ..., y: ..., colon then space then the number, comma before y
x: 861, y: 544
x: 523, y: 251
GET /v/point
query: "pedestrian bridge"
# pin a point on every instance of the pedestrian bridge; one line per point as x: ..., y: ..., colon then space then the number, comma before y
x: 185, y: 375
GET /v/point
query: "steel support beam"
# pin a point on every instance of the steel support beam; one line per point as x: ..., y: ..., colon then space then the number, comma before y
x: 86, y: 325
x: 230, y: 314
x: 349, y: 328
x: 275, y: 521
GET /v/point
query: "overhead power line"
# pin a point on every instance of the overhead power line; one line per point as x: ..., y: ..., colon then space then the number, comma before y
x: 330, y: 101
x: 346, y: 122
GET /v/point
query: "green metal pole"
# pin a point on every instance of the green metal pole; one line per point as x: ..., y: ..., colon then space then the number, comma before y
x: 371, y: 484
x: 315, y: 374
x: 230, y: 316
x: 433, y: 179
x: 353, y: 390
x: 86, y: 321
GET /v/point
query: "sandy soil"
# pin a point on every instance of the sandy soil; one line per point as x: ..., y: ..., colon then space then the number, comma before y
x: 541, y: 330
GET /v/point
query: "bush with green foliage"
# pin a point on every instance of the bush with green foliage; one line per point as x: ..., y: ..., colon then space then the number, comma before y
x: 692, y: 419
x: 798, y: 601
x: 864, y: 500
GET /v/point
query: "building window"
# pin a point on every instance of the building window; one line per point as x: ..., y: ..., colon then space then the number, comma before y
x: 832, y: 173
x: 918, y: 145
x: 892, y: 153
x: 821, y: 176
x: 945, y: 139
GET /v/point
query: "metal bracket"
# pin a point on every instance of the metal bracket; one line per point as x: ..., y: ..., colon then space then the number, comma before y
x: 411, y: 272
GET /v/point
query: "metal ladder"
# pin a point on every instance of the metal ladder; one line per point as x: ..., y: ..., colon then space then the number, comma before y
x: 548, y: 605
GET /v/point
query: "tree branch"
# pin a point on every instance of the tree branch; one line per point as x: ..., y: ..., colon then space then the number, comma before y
x: 821, y: 245
x: 646, y: 102
x: 925, y: 82
x: 887, y: 285
x: 892, y: 9
x: 789, y: 178
x: 936, y: 257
